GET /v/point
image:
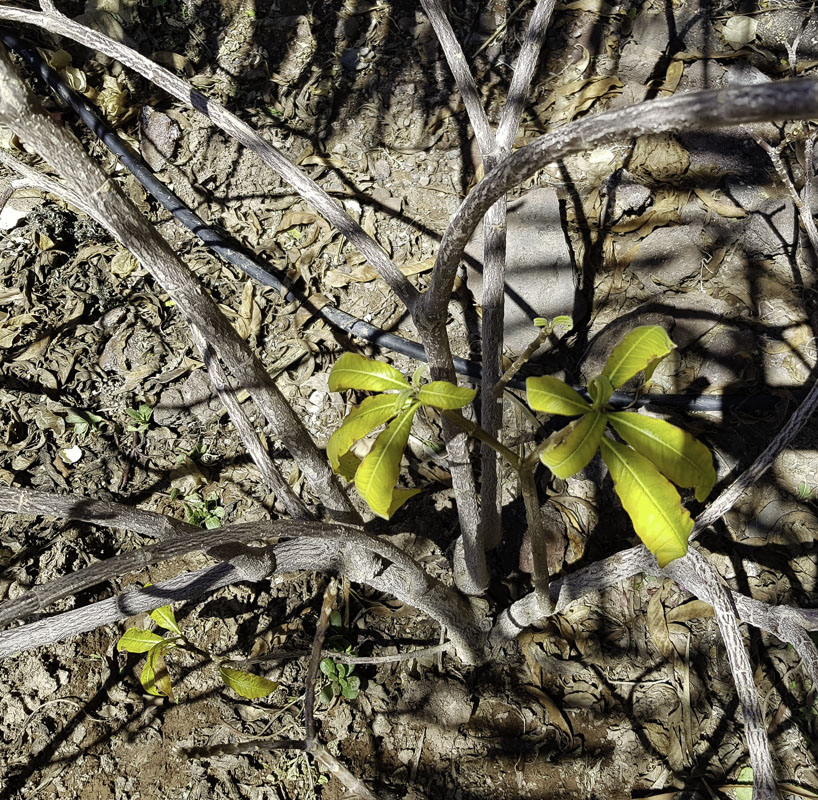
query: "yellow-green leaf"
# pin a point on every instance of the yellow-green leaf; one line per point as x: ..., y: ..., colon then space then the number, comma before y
x: 442, y: 394
x: 553, y: 396
x: 399, y: 497
x: 378, y: 473
x: 246, y: 684
x: 571, y: 448
x: 652, y: 502
x: 348, y: 466
x: 600, y: 389
x: 154, y: 677
x: 745, y: 777
x: 164, y: 618
x: 678, y: 455
x: 374, y: 411
x: 137, y: 640
x: 642, y: 349
x: 352, y: 371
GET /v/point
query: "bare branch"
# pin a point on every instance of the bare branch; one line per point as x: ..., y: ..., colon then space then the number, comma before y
x: 462, y: 75
x: 233, y: 126
x: 261, y: 458
x: 330, y: 596
x: 99, y: 197
x: 755, y: 730
x: 708, y: 109
x: 313, y: 546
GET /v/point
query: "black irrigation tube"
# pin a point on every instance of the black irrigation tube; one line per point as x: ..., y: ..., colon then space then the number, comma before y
x: 233, y: 253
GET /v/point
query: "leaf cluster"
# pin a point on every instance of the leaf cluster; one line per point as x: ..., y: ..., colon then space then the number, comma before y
x: 652, y: 456
x: 377, y: 473
x: 155, y: 678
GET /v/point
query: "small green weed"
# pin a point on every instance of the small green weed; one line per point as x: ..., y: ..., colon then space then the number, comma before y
x: 141, y: 418
x: 155, y: 677
x: 205, y: 512
x: 84, y: 422
x: 340, y: 680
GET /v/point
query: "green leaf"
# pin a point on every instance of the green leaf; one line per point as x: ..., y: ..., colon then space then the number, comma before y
x: 564, y: 319
x: 745, y: 776
x: 154, y: 677
x: 570, y: 449
x: 352, y: 371
x: 378, y: 473
x: 553, y: 396
x: 600, y: 389
x: 137, y: 640
x: 442, y: 394
x: 326, y: 695
x: 678, y: 455
x: 642, y: 349
x: 374, y: 411
x: 399, y: 497
x: 246, y: 684
x: 351, y: 687
x: 650, y: 499
x: 327, y: 666
x: 348, y: 466
x: 164, y: 618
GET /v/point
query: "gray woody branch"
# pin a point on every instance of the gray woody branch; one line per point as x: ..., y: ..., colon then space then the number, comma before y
x: 98, y: 196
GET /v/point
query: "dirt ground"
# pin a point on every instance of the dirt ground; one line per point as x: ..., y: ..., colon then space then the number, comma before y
x: 628, y: 693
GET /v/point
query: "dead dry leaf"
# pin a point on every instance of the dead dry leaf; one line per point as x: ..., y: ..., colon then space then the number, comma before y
x: 739, y: 30
x: 555, y: 715
x: 694, y: 609
x: 720, y: 205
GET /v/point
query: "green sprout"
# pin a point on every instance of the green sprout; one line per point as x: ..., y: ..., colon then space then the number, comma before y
x: 141, y: 418
x: 84, y: 422
x: 155, y: 678
x: 205, y: 512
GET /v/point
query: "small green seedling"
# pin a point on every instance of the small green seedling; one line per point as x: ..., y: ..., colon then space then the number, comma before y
x: 84, y: 422
x: 376, y: 475
x: 341, y: 681
x: 155, y: 678
x: 653, y: 454
x: 141, y: 418
x: 203, y: 512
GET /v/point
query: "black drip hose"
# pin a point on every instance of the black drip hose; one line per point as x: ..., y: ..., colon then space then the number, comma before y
x: 233, y: 253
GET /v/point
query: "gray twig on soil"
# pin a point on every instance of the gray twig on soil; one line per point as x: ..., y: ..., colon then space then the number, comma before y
x: 57, y: 23
x: 261, y: 458
x: 91, y: 190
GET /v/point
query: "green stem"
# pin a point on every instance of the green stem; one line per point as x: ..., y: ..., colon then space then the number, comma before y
x: 521, y: 360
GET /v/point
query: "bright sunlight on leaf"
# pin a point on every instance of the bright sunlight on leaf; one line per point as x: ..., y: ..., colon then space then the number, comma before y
x: 642, y: 349
x: 442, y: 394
x: 371, y: 413
x: 378, y: 473
x: 246, y: 684
x: 137, y: 640
x: 650, y: 499
x: 677, y: 454
x: 352, y: 371
x: 552, y: 396
x: 165, y: 618
x: 570, y: 449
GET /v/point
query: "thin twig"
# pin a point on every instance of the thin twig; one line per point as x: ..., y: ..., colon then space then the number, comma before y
x: 261, y: 458
x: 98, y: 196
x: 330, y: 596
x: 232, y: 126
